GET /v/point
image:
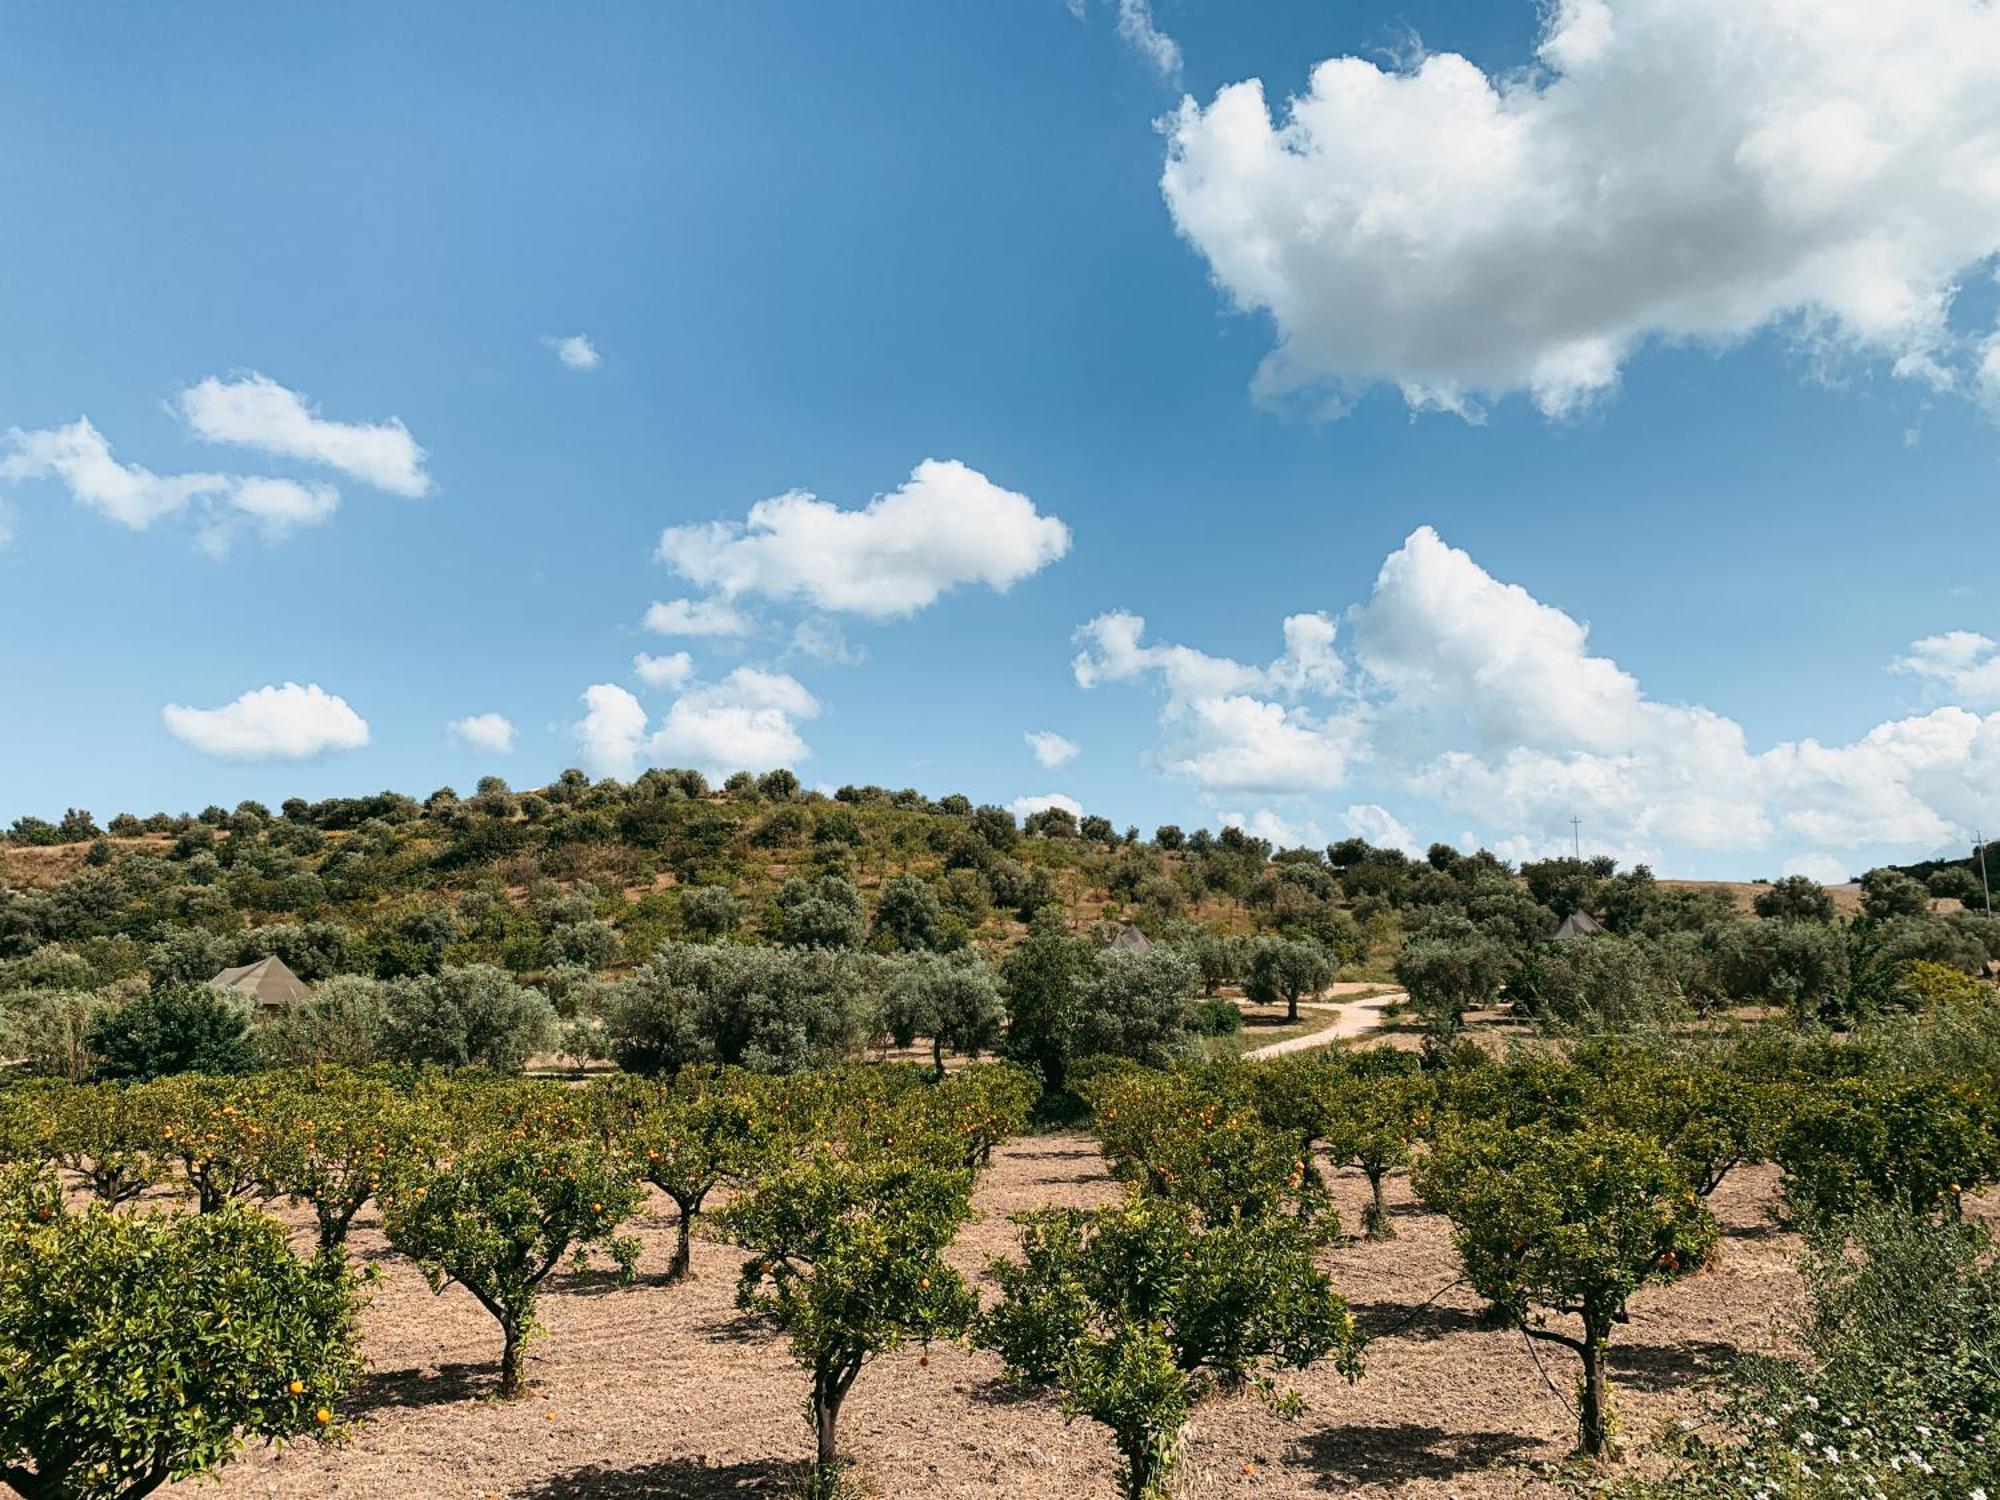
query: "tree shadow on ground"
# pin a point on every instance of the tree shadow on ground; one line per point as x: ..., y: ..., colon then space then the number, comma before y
x: 1662, y: 1367
x: 1413, y: 1320
x: 735, y: 1328
x: 411, y: 1386
x: 670, y: 1479
x: 1398, y: 1452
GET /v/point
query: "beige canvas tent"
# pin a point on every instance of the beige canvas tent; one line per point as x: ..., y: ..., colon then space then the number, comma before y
x: 1578, y: 924
x: 1132, y: 940
x: 267, y: 983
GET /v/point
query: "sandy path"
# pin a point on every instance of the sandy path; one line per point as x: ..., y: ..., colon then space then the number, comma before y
x: 1354, y: 1018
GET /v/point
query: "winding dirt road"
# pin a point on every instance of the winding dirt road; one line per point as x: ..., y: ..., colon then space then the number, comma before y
x: 1351, y: 1018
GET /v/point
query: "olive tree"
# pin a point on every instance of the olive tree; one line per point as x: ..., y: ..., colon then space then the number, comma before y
x: 1566, y: 1224
x: 775, y: 1010
x: 467, y: 1017
x: 1445, y: 976
x: 955, y: 1004
x: 138, y: 1349
x: 1287, y: 970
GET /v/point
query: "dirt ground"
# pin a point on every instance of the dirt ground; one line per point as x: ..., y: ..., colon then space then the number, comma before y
x: 666, y: 1391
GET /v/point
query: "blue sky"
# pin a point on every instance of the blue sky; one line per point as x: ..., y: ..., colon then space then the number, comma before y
x: 812, y: 247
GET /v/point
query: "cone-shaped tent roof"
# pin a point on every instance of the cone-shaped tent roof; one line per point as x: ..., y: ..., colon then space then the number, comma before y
x: 1577, y: 924
x: 267, y: 983
x: 1132, y: 940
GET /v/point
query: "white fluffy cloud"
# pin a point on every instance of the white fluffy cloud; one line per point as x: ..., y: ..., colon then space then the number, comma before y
x: 270, y: 723
x: 80, y: 458
x: 1051, y: 749
x: 576, y: 351
x: 947, y: 525
x: 254, y: 411
x: 1827, y: 869
x: 1474, y: 695
x: 1964, y: 664
x: 670, y: 670
x: 1282, y: 831
x: 1671, y: 170
x: 1382, y: 828
x: 1230, y: 726
x: 747, y: 721
x: 1023, y: 807
x: 697, y: 617
x: 611, y: 730
x: 491, y: 733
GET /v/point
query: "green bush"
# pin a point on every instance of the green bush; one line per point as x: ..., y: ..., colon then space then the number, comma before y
x: 137, y: 1349
x: 180, y: 1029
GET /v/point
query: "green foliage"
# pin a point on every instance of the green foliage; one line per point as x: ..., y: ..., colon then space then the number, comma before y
x: 51, y: 1031
x: 1448, y: 975
x: 909, y: 918
x: 687, y: 1138
x: 1918, y: 1143
x: 769, y: 1009
x: 821, y: 913
x: 1135, y: 1314
x: 467, y: 1017
x: 954, y: 1003
x: 1796, y: 898
x: 331, y: 1139
x: 1800, y: 967
x: 344, y: 1020
x: 1285, y: 971
x: 847, y: 1261
x: 1566, y: 1224
x: 179, y: 1029
x: 498, y: 1219
x: 1898, y: 1394
x: 1216, y: 1016
x: 141, y: 1348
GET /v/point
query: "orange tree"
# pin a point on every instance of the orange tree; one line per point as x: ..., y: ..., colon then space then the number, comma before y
x: 1566, y: 1223
x: 136, y: 1349
x: 686, y: 1138
x: 981, y: 1106
x: 500, y: 1217
x: 101, y: 1133
x: 847, y: 1260
x: 1387, y: 1112
x: 1175, y: 1136
x: 330, y: 1139
x: 1917, y: 1142
x: 213, y: 1127
x: 1710, y: 1120
x: 1134, y: 1314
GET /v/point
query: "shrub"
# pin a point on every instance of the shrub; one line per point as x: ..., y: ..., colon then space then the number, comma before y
x: 149, y: 1347
x: 769, y: 1009
x: 1136, y: 1313
x: 1216, y: 1016
x: 180, y: 1029
x: 1447, y: 976
x: 51, y: 1031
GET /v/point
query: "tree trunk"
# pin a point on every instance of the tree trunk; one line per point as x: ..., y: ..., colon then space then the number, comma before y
x: 1375, y: 1217
x: 1292, y: 1008
x: 512, y: 1381
x: 677, y: 1268
x: 937, y: 1056
x: 1595, y: 1412
x: 1147, y: 1464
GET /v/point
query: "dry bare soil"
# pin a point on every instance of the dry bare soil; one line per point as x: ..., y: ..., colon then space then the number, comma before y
x: 652, y: 1390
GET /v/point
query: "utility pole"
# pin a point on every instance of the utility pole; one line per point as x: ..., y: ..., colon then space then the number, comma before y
x: 1984, y: 884
x: 1576, y: 837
